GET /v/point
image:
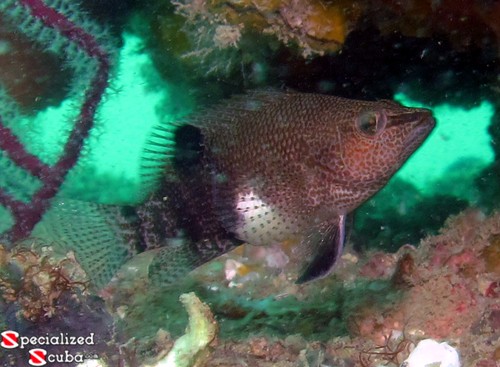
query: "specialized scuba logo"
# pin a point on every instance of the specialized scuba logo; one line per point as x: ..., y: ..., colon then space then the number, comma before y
x: 39, y: 356
x: 10, y: 339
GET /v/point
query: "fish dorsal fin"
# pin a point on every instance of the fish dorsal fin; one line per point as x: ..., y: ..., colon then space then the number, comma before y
x: 162, y: 147
x: 157, y: 156
x: 235, y: 108
x: 327, y: 243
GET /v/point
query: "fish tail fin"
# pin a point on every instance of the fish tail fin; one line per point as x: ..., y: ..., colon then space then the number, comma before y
x: 103, y: 237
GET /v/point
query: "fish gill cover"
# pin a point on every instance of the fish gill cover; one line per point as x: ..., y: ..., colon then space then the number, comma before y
x: 82, y: 93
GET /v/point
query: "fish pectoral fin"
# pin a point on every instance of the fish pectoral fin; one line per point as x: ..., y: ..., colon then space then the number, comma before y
x: 328, y: 242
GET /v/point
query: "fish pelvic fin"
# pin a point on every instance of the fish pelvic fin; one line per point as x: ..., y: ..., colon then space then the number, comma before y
x: 180, y: 256
x: 328, y: 240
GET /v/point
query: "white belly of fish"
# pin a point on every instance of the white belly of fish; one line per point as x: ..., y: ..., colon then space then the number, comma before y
x: 260, y: 223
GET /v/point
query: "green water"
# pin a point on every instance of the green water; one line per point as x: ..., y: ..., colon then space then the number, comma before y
x: 139, y: 99
x: 458, y: 148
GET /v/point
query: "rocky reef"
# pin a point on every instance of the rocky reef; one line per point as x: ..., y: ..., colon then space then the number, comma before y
x: 373, y: 310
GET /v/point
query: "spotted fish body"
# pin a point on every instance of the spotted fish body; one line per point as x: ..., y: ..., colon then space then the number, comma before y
x: 269, y: 167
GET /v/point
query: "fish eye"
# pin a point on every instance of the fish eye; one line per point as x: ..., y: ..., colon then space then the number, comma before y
x: 369, y: 123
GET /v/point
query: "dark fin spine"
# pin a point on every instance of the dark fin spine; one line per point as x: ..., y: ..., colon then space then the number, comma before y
x: 157, y: 156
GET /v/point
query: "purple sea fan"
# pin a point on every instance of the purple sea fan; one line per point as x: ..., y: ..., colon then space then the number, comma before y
x: 58, y: 27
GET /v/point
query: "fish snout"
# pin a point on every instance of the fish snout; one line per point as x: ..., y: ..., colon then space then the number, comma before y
x: 416, y: 124
x: 424, y: 123
x: 424, y: 116
x: 416, y: 116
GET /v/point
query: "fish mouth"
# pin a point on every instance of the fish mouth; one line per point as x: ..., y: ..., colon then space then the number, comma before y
x: 420, y: 121
x: 424, y: 123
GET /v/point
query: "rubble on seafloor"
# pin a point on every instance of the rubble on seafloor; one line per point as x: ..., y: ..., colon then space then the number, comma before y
x: 373, y: 310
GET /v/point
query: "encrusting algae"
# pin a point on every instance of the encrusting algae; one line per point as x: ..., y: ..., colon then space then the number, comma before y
x: 314, y: 25
x: 491, y: 255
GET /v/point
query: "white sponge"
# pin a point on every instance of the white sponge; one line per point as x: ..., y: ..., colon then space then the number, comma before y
x: 430, y: 353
